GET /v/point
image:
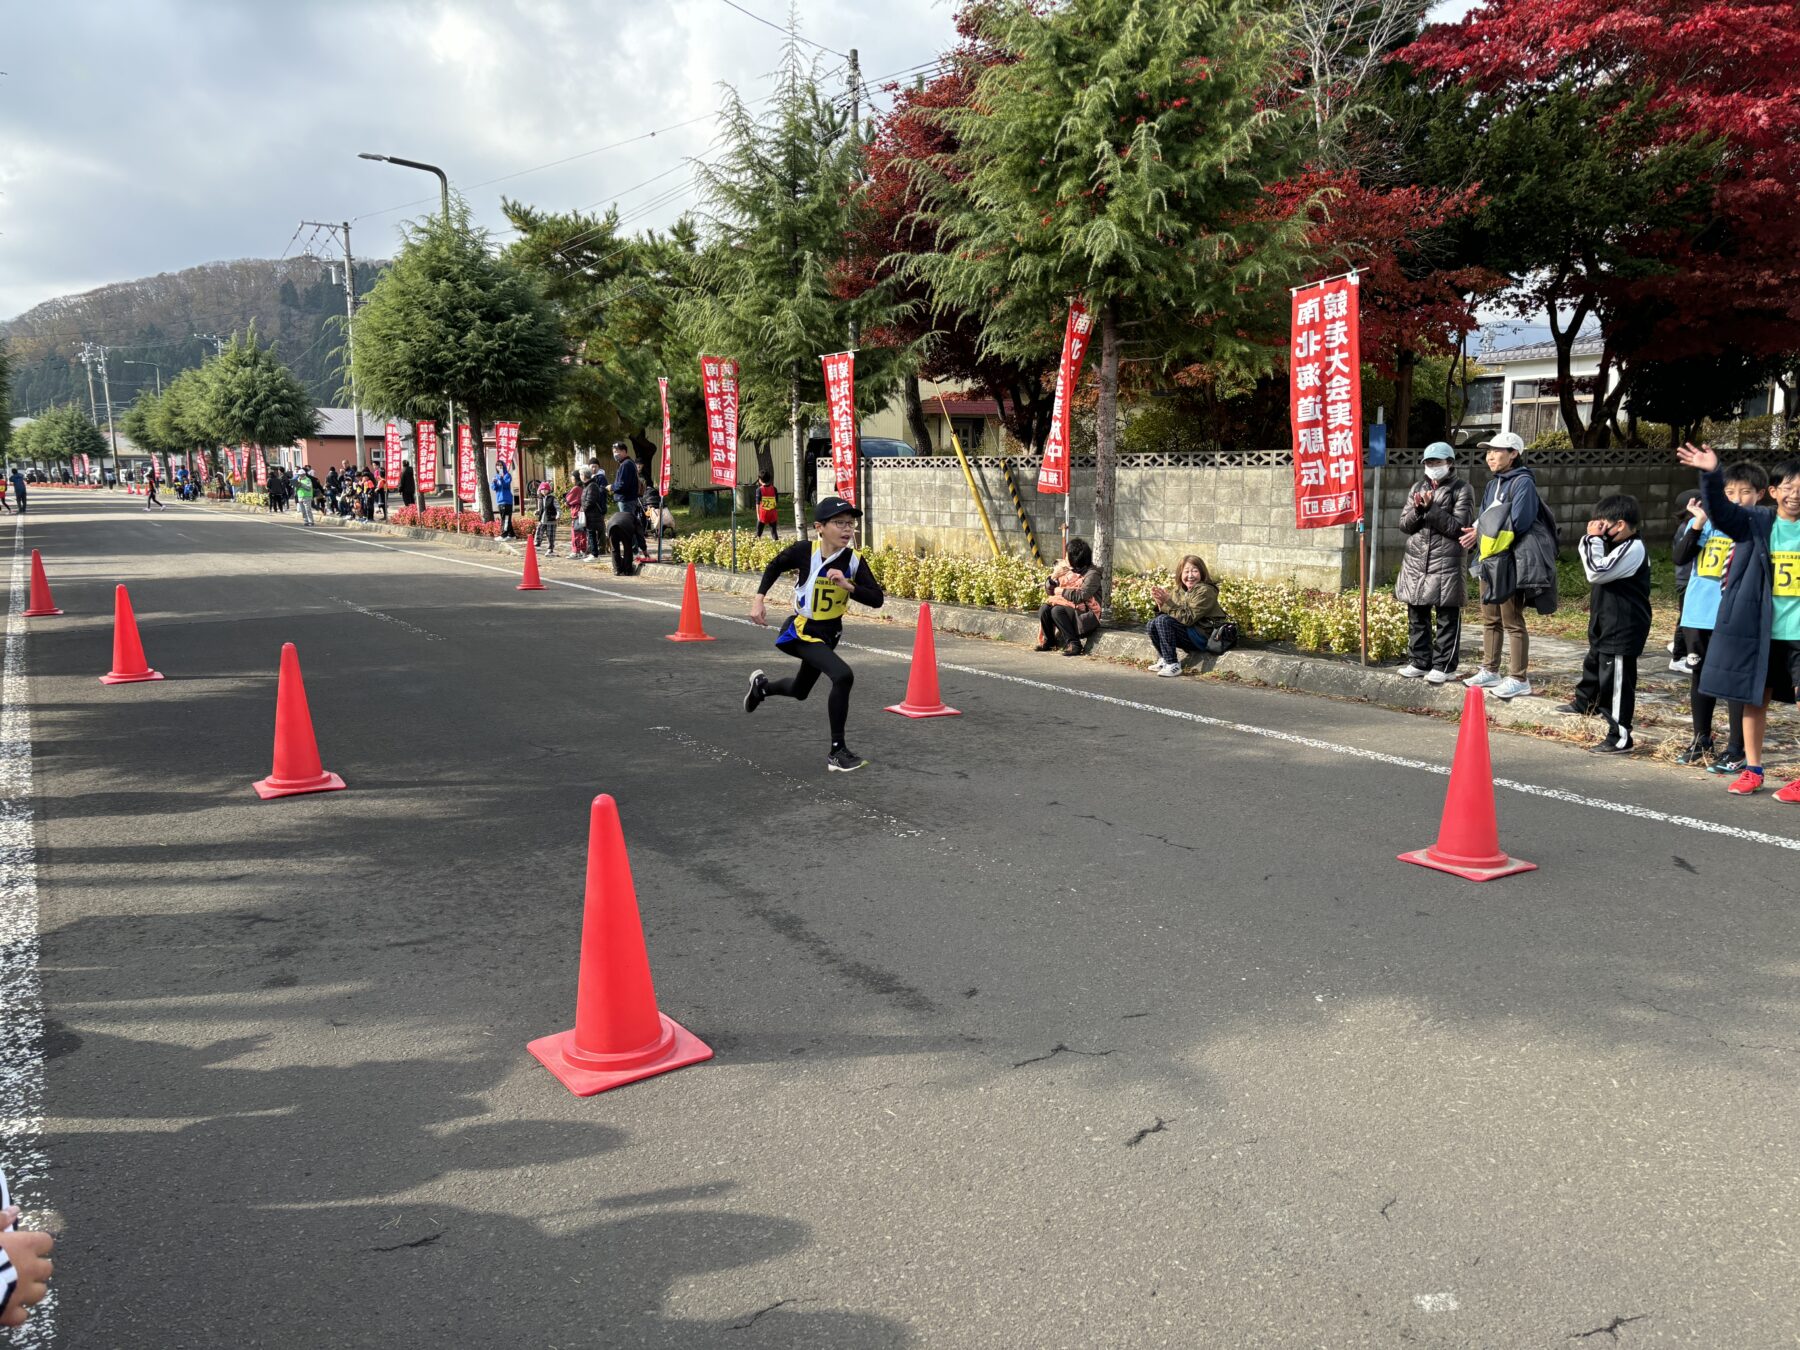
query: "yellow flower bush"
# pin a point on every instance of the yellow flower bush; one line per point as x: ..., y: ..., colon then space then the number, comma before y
x: 1270, y: 611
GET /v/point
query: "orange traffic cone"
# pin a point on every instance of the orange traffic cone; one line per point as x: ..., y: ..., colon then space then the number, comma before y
x: 1468, y: 842
x: 922, y: 697
x: 41, y: 603
x: 620, y: 1036
x: 532, y: 581
x: 297, y: 768
x: 689, y: 629
x: 129, y: 666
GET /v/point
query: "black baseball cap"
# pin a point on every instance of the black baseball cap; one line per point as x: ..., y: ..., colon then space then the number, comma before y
x: 830, y: 508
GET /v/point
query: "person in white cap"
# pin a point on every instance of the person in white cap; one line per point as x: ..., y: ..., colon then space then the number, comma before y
x: 1515, y: 543
x: 1439, y: 508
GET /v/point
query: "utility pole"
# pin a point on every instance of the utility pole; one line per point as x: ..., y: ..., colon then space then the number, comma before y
x: 92, y: 352
x: 93, y: 407
x: 855, y: 77
x: 362, y: 457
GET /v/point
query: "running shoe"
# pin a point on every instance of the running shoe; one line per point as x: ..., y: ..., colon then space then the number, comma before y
x: 1727, y: 764
x: 844, y: 760
x: 1410, y: 672
x: 1790, y: 793
x: 1698, y: 752
x: 1482, y: 679
x: 1745, y: 784
x: 1439, y: 676
x: 1171, y: 670
x: 1679, y: 665
x: 1573, y: 708
x: 759, y: 690
x: 1512, y: 688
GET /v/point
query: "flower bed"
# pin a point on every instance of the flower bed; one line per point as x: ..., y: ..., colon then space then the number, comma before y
x: 1270, y: 611
x: 458, y: 522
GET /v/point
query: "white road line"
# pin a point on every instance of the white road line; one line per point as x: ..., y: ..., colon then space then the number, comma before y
x: 21, y: 994
x: 1179, y: 714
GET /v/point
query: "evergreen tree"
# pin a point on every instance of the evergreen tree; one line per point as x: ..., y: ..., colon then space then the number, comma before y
x: 1121, y: 155
x: 5, y: 400
x: 63, y: 433
x: 783, y: 194
x: 450, y: 320
x: 248, y: 397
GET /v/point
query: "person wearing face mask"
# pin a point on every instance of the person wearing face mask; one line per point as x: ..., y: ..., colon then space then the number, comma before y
x: 1432, y: 586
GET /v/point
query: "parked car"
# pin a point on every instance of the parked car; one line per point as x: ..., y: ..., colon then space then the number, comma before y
x: 874, y: 447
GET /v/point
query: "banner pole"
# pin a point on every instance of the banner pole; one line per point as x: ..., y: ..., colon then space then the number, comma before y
x: 1362, y: 587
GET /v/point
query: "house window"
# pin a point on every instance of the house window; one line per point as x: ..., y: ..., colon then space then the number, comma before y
x: 1536, y: 408
x: 1485, y: 397
x: 968, y: 431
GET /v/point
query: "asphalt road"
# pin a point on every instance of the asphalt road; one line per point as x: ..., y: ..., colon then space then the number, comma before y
x: 1067, y: 1023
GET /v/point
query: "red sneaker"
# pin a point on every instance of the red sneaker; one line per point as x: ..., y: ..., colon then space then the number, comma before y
x: 1745, y: 784
x: 1790, y: 793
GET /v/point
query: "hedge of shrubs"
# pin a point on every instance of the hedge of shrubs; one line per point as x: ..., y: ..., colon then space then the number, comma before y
x: 1278, y: 611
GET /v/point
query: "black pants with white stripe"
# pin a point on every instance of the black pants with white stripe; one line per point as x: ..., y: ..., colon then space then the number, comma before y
x: 1608, y: 688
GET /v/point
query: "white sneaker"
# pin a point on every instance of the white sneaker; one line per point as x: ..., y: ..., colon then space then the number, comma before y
x: 1482, y: 679
x: 1170, y: 669
x: 1512, y: 688
x: 1680, y: 666
x: 1670, y: 649
x: 1437, y: 677
x: 1410, y: 672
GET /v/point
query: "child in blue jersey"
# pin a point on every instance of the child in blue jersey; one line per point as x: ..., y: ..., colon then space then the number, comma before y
x: 830, y: 576
x: 1705, y: 550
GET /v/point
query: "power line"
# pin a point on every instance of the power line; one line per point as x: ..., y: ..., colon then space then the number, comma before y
x: 769, y: 23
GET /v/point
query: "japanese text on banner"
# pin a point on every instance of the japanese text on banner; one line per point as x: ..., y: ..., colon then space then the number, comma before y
x: 840, y: 408
x: 1326, y: 405
x: 1053, y: 475
x: 728, y: 402
x: 721, y: 455
x: 425, y: 455
x: 506, y: 445
x: 262, y: 468
x: 662, y: 385
x: 468, y: 488
x: 390, y: 456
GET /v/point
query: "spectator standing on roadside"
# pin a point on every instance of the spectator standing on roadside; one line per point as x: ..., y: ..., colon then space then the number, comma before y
x: 1618, y: 570
x: 503, y: 501
x: 409, y: 490
x: 593, y: 511
x: 1704, y: 551
x: 304, y: 488
x: 1515, y: 543
x: 546, y: 519
x: 18, y: 482
x: 626, y: 481
x: 1440, y: 507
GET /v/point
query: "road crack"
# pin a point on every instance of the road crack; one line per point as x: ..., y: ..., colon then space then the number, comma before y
x: 756, y: 1316
x: 1160, y: 1127
x: 1611, y: 1328
x: 425, y: 1241
x: 1060, y: 1049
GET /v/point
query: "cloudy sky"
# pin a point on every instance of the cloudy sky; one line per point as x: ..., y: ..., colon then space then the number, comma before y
x: 143, y: 136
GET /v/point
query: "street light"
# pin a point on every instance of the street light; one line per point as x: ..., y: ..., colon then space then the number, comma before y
x: 444, y: 192
x: 443, y: 182
x: 153, y: 366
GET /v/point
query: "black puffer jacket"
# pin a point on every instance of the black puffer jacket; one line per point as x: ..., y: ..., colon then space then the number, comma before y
x: 1432, y: 572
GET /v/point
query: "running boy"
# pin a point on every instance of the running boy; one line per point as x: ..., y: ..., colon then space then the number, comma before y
x: 1755, y: 652
x: 830, y: 577
x: 1616, y: 564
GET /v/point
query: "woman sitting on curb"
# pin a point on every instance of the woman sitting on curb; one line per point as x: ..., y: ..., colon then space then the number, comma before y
x: 1188, y: 619
x: 1071, y: 613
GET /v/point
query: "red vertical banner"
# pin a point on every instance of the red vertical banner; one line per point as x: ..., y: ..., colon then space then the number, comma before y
x: 425, y: 455
x: 662, y: 385
x: 262, y: 468
x: 506, y: 445
x: 1053, y: 474
x: 240, y: 462
x: 467, y: 489
x: 712, y: 392
x: 728, y: 402
x: 1325, y: 389
x: 390, y: 456
x: 840, y: 413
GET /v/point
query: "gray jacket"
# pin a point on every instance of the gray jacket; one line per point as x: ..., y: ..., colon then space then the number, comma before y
x: 1432, y: 570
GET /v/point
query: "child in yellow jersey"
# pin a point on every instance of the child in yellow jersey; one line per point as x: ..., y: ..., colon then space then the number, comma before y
x: 830, y: 576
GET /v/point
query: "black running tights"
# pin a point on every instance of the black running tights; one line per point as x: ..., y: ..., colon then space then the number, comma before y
x: 817, y: 659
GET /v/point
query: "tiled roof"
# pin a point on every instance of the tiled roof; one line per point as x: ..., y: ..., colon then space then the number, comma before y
x: 1589, y: 344
x: 342, y: 422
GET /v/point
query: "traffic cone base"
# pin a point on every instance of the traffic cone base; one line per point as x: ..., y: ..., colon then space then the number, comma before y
x: 275, y: 787
x: 41, y: 603
x: 922, y: 697
x: 1468, y: 842
x: 139, y: 678
x: 532, y: 581
x: 690, y: 629
x: 585, y: 1074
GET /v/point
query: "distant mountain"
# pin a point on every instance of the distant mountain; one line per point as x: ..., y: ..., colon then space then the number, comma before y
x: 297, y: 302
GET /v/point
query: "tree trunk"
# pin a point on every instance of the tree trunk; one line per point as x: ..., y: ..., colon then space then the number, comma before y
x: 1401, y: 437
x: 915, y: 416
x: 799, y: 452
x: 484, y: 495
x: 765, y: 460
x: 1106, y: 443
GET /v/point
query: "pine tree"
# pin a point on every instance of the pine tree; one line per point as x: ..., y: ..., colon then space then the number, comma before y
x: 783, y: 197
x: 449, y: 320
x: 248, y: 397
x: 1122, y: 156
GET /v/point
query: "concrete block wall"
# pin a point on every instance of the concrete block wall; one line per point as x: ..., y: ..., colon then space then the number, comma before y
x: 1235, y: 509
